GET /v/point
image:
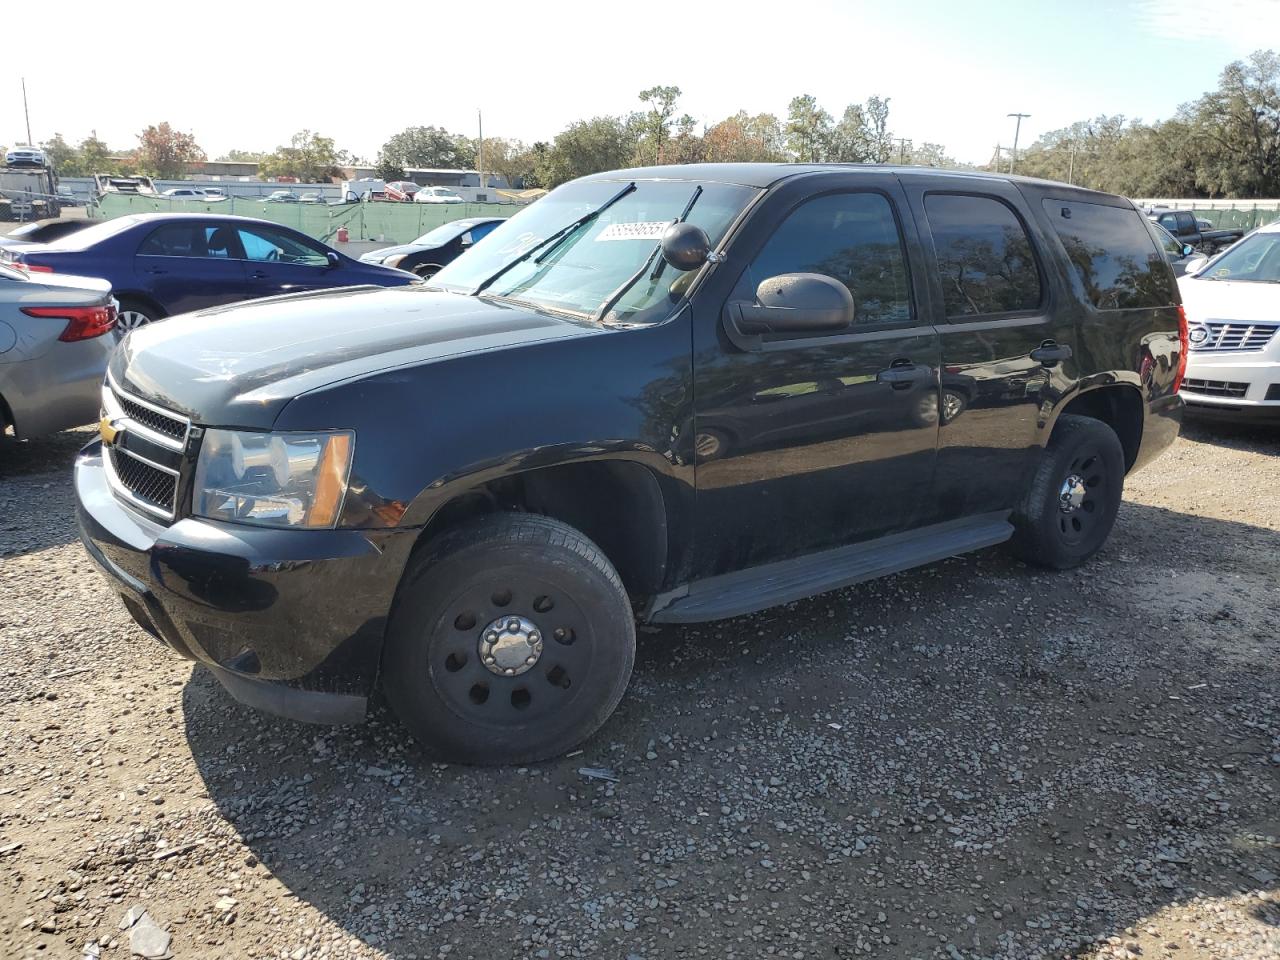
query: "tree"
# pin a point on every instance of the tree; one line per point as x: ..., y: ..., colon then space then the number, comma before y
x: 745, y: 139
x: 95, y: 157
x: 165, y: 152
x: 588, y: 146
x: 1237, y: 129
x: 62, y: 156
x: 309, y: 157
x: 243, y: 156
x: 431, y: 147
x: 850, y: 140
x: 931, y: 155
x: 657, y: 122
x: 509, y: 159
x: 808, y: 129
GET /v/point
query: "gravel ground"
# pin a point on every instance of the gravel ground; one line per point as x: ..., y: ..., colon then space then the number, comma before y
x: 969, y: 760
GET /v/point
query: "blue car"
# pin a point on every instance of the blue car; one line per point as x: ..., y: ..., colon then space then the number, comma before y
x: 165, y: 263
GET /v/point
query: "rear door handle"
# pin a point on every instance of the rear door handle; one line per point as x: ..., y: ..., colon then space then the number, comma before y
x: 1051, y: 352
x: 259, y: 275
x: 902, y: 374
x: 154, y: 270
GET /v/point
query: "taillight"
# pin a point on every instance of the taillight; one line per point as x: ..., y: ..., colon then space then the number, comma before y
x: 37, y: 268
x: 83, y: 323
x: 1184, y: 345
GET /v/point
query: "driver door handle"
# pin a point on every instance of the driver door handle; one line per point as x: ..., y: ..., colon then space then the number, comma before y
x: 902, y: 374
x: 1050, y: 353
x: 258, y: 275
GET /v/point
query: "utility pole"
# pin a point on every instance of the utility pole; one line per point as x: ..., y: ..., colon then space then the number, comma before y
x: 1013, y: 157
x: 480, y: 148
x: 26, y: 113
x: 1071, y: 164
x: 902, y: 150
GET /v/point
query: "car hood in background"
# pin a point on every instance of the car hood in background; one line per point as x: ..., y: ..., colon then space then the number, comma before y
x: 377, y: 256
x: 239, y: 365
x: 1206, y: 299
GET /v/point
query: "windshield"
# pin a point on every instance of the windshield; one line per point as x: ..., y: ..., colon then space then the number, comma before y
x: 1255, y: 259
x: 83, y: 239
x: 581, y: 272
x: 442, y: 234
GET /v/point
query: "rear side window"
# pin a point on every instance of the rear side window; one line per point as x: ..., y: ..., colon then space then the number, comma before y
x: 985, y: 259
x: 1112, y: 254
x: 174, y: 240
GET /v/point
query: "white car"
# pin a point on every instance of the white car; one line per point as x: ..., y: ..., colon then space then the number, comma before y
x: 1233, y: 315
x: 437, y: 195
x: 23, y: 155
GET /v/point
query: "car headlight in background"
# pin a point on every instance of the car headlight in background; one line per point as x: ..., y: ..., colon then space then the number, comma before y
x: 273, y: 479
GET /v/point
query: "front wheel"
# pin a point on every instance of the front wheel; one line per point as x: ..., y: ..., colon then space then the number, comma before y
x: 427, y: 270
x: 1071, y: 505
x: 512, y: 640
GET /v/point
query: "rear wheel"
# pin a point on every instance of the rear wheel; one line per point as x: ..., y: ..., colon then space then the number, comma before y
x: 512, y: 640
x: 1071, y: 505
x: 427, y: 270
x: 134, y: 314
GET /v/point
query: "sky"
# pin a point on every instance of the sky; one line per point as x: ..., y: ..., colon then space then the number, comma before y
x: 953, y: 69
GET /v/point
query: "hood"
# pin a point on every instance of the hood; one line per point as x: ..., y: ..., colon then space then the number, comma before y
x: 240, y: 365
x: 377, y: 256
x: 1242, y: 300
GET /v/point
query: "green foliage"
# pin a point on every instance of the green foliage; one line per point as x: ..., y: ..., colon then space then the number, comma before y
x: 808, y: 129
x: 430, y: 147
x: 656, y: 123
x: 309, y: 157
x: 588, y: 146
x: 243, y: 156
x: 745, y: 139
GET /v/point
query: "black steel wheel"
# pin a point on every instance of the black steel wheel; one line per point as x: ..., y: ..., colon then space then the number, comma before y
x: 512, y: 640
x: 1071, y: 505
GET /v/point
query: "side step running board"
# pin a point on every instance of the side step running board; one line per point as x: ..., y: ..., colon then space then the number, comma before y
x: 771, y: 584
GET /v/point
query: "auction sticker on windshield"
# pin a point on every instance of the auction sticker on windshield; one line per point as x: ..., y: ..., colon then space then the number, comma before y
x: 647, y: 230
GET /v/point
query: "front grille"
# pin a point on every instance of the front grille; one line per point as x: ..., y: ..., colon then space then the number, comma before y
x: 1227, y: 335
x: 1216, y: 388
x: 144, y: 483
x: 162, y: 423
x: 1273, y: 392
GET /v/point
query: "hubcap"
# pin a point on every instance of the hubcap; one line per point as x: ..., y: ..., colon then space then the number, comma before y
x: 1071, y: 496
x: 510, y: 645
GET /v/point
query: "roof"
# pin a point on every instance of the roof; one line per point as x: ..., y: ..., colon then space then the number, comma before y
x: 767, y: 174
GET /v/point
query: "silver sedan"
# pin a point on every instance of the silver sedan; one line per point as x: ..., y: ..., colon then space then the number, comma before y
x: 56, y: 333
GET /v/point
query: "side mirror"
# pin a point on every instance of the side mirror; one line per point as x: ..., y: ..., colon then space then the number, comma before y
x: 1195, y: 265
x: 334, y: 259
x: 685, y: 246
x: 795, y: 304
x: 1188, y: 249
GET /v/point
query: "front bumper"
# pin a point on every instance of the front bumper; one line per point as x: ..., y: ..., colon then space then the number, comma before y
x: 1239, y: 385
x: 290, y: 621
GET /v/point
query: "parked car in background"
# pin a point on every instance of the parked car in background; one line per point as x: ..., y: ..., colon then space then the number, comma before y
x: 436, y: 248
x: 215, y: 193
x: 56, y: 334
x: 193, y: 193
x: 471, y: 492
x: 1178, y: 254
x: 165, y: 263
x: 41, y: 231
x: 24, y: 155
x: 401, y: 190
x: 312, y: 197
x: 1233, y: 310
x: 1184, y: 225
x: 437, y: 195
x: 281, y: 196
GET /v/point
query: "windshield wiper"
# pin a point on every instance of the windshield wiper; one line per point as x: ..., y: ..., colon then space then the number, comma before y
x: 618, y: 294
x: 553, y: 241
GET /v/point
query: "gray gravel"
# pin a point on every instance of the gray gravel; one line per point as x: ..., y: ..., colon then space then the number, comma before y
x: 970, y: 760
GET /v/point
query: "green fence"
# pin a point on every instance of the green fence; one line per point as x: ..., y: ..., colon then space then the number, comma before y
x: 1242, y: 219
x: 389, y: 222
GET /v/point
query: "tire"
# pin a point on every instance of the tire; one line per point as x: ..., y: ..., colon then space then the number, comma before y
x: 711, y: 444
x: 427, y: 270
x: 1070, y: 507
x: 568, y: 611
x: 135, y: 313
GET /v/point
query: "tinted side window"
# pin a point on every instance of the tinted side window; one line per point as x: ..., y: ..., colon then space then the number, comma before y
x: 174, y: 240
x: 851, y: 237
x: 263, y: 243
x: 1113, y: 255
x: 984, y: 256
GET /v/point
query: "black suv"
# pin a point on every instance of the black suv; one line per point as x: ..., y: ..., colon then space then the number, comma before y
x: 654, y: 396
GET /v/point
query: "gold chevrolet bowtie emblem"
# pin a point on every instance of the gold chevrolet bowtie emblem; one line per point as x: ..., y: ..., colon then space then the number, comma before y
x: 107, y: 430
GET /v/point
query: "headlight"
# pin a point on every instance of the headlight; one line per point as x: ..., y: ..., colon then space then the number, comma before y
x: 273, y: 479
x: 394, y: 260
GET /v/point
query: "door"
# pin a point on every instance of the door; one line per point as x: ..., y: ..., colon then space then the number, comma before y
x: 280, y: 261
x: 187, y: 265
x: 1006, y: 350
x: 809, y: 442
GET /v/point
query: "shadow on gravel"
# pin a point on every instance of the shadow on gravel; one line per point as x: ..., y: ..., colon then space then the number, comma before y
x: 1256, y: 437
x: 975, y: 759
x: 53, y: 453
